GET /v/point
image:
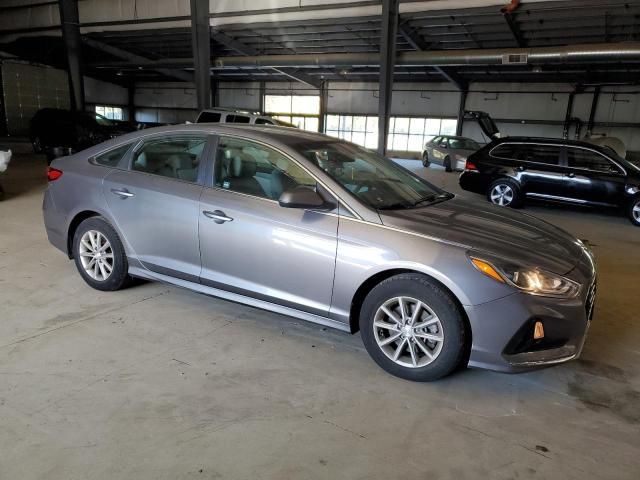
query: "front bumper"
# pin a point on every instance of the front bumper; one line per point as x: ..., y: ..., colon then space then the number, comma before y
x: 502, y: 330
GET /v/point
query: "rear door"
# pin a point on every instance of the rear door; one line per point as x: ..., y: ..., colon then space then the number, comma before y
x: 594, y: 178
x: 155, y: 202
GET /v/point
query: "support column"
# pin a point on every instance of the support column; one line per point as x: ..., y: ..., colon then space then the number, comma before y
x: 461, y: 108
x: 592, y: 112
x: 387, y: 62
x: 131, y: 105
x: 73, y: 45
x: 201, y: 43
x: 261, y: 92
x: 567, y: 118
x: 324, y: 95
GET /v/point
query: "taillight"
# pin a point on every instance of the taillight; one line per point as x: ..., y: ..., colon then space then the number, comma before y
x: 469, y: 165
x: 53, y: 174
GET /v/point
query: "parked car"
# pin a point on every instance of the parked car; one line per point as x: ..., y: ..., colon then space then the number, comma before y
x: 55, y: 131
x: 449, y: 151
x: 228, y: 115
x: 323, y: 230
x: 514, y: 169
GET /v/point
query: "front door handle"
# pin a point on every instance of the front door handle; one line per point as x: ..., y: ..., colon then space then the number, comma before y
x: 124, y: 193
x: 571, y: 175
x: 217, y: 216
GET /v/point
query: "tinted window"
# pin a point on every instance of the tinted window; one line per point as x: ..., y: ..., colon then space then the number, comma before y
x: 209, y: 117
x: 251, y: 168
x: 237, y: 119
x: 112, y: 157
x: 463, y: 143
x: 528, y: 152
x: 590, y: 160
x: 173, y: 157
x: 436, y: 141
x: 263, y: 121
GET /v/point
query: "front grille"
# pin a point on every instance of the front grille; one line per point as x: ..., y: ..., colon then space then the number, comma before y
x: 591, y: 300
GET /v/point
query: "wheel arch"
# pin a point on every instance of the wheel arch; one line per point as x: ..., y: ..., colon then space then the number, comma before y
x: 364, y: 289
x: 73, y: 226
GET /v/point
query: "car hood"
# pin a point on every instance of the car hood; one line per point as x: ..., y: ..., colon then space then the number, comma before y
x: 499, y: 232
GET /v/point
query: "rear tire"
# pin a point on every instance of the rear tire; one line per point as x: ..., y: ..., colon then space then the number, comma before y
x: 447, y: 165
x: 425, y: 159
x: 427, y: 345
x: 505, y: 193
x: 633, y: 211
x: 99, y: 255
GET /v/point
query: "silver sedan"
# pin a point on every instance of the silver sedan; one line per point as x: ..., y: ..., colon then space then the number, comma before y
x: 448, y: 151
x: 322, y: 230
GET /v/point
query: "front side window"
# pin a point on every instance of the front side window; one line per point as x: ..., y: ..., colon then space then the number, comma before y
x: 263, y: 121
x: 112, y: 157
x: 589, y: 160
x: 375, y: 180
x: 254, y: 169
x: 173, y: 157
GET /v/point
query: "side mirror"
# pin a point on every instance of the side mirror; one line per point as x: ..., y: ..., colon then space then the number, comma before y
x: 301, y: 197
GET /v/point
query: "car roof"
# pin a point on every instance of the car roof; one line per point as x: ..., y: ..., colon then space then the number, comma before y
x: 271, y: 134
x: 552, y: 141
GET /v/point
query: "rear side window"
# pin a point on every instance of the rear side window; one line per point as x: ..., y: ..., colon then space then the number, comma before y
x: 112, y: 157
x: 588, y: 159
x: 528, y: 152
x: 172, y: 157
x: 209, y: 117
x: 237, y: 119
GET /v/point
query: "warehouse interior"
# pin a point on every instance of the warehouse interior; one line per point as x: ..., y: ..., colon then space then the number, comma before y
x: 160, y: 382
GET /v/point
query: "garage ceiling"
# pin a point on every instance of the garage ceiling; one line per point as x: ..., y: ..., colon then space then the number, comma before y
x: 150, y: 54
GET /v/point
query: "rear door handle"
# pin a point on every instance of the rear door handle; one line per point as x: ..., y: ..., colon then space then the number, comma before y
x: 571, y: 175
x: 217, y: 216
x: 124, y: 193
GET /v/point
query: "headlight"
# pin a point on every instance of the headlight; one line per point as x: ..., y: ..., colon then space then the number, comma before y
x: 530, y: 280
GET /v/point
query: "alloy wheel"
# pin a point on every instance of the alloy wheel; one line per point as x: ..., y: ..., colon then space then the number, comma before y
x: 96, y: 255
x: 408, y: 332
x: 635, y: 211
x: 502, y: 195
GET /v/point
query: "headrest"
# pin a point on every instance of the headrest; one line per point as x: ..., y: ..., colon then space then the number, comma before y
x: 243, y: 167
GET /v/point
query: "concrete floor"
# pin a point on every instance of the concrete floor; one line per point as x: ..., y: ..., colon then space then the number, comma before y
x: 158, y: 382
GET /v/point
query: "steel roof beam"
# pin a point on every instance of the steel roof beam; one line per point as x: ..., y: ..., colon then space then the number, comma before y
x: 137, y: 59
x: 244, y: 49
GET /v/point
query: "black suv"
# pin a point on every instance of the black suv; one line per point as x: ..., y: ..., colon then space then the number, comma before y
x: 512, y: 169
x: 55, y: 131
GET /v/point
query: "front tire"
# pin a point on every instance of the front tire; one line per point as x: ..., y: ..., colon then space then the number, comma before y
x: 425, y: 159
x: 413, y: 328
x: 99, y: 255
x: 633, y: 211
x: 447, y: 165
x: 505, y: 193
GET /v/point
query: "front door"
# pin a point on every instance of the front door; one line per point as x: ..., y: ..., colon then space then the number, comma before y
x: 155, y: 203
x: 251, y: 245
x: 594, y: 178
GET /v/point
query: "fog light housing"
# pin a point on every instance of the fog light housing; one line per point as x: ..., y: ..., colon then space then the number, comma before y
x: 538, y: 331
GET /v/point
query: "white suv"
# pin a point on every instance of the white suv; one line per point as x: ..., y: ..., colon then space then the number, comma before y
x: 229, y: 115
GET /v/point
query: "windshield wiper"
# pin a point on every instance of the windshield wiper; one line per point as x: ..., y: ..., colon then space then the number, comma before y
x: 396, y: 206
x: 434, y: 198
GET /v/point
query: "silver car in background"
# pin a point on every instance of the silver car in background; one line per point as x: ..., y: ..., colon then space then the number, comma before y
x: 449, y: 151
x: 322, y: 230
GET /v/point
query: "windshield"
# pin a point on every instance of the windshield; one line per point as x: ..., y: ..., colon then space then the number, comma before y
x: 375, y: 180
x: 463, y: 144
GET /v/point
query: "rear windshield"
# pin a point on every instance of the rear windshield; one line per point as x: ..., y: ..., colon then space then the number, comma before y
x: 209, y: 117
